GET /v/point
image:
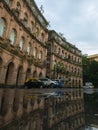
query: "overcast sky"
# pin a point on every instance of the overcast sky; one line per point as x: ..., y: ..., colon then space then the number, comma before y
x: 76, y: 19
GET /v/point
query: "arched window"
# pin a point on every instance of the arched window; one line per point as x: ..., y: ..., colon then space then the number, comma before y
x: 37, y: 32
x: 2, y: 27
x: 59, y: 50
x: 43, y: 36
x: 62, y: 54
x: 40, y: 55
x: 35, y: 52
x: 26, y: 16
x: 21, y: 44
x: 13, y: 36
x: 25, y: 19
x: 28, y: 49
x: 32, y: 26
x: 18, y: 8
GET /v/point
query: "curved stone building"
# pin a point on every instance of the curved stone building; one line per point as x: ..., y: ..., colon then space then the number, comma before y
x: 24, y: 42
x: 29, y: 49
x: 64, y: 60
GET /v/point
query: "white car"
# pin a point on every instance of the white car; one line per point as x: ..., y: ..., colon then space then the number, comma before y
x: 88, y: 85
x: 48, y: 82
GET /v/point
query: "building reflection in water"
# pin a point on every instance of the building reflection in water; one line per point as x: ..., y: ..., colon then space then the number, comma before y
x: 22, y: 109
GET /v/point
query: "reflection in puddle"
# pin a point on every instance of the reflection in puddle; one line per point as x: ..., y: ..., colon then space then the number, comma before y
x: 91, y: 108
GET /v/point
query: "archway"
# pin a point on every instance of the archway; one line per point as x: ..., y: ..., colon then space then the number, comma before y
x: 19, y: 76
x: 34, y: 74
x: 28, y: 73
x: 9, y: 74
x: 40, y: 74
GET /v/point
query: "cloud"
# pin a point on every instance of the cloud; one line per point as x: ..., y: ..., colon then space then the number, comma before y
x: 77, y: 20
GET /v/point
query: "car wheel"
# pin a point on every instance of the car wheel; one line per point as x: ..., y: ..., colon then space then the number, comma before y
x: 51, y: 85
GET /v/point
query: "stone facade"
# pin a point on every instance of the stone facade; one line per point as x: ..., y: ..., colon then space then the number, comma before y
x: 64, y: 60
x: 23, y: 42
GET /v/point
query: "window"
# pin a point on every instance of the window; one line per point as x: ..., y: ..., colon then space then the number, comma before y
x: 18, y: 6
x: 42, y: 35
x: 18, y: 9
x: 28, y: 49
x: 2, y: 27
x: 59, y: 50
x: 40, y: 55
x: 32, y: 26
x: 35, y: 52
x: 25, y: 19
x: 37, y: 32
x: 21, y: 44
x: 13, y: 36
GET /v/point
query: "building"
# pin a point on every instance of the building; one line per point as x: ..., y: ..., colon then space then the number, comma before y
x: 64, y: 60
x: 28, y: 48
x: 23, y: 41
x: 93, y: 57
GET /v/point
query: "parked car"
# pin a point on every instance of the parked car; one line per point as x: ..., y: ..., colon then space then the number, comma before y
x: 88, y: 85
x: 48, y: 82
x: 33, y: 83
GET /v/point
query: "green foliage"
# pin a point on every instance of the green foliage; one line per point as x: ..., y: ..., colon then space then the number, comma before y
x: 90, y: 70
x: 60, y: 68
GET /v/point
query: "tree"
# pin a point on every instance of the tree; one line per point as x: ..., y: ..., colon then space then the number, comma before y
x: 90, y: 70
x: 42, y: 9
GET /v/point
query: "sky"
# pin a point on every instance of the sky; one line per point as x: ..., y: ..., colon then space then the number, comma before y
x: 77, y: 20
